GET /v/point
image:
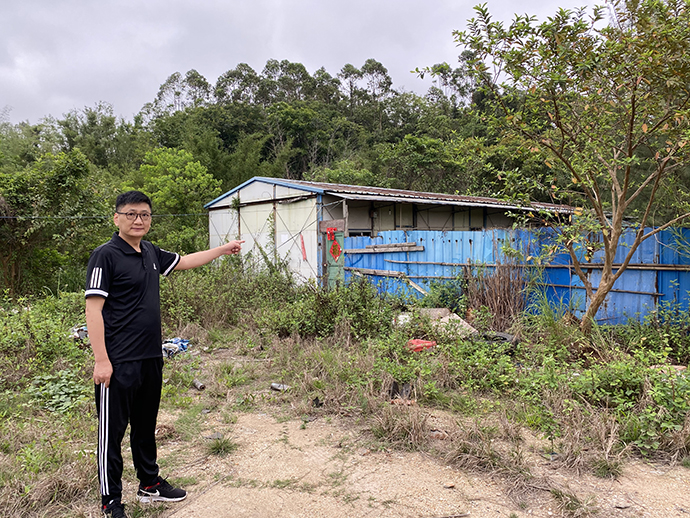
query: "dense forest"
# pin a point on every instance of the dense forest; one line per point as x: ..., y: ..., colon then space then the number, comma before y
x: 195, y: 140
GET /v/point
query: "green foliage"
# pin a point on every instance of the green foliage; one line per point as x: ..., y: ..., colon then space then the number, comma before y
x: 663, y: 336
x: 178, y: 186
x: 447, y: 294
x: 222, y: 447
x: 35, y: 336
x: 317, y: 311
x: 232, y: 376
x: 52, y: 220
x: 230, y: 292
x: 59, y: 392
x: 345, y: 172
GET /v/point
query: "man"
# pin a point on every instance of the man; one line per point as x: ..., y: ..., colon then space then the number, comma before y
x: 124, y: 323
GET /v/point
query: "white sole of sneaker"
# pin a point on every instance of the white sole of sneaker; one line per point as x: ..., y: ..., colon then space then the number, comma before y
x: 154, y: 498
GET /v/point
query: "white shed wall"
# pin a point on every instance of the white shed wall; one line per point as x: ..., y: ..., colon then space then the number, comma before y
x: 297, y: 222
x: 222, y: 226
x: 256, y: 229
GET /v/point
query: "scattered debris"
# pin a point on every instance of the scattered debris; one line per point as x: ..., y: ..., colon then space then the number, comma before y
x: 400, y: 390
x: 279, y: 387
x: 80, y: 335
x: 416, y: 345
x: 403, y: 402
x: 166, y: 432
x: 79, y: 332
x: 440, y: 317
x: 495, y: 336
x: 199, y: 385
x: 438, y: 435
x: 172, y: 346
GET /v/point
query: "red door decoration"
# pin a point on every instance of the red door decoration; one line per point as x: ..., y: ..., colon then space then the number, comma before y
x: 335, y: 250
x: 335, y: 247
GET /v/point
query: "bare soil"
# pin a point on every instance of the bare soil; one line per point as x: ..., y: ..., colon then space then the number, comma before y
x: 330, y: 467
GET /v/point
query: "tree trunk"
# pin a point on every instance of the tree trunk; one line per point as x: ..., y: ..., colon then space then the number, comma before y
x: 605, y: 286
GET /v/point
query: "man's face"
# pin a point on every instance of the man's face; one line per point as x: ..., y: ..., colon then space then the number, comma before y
x: 133, y: 220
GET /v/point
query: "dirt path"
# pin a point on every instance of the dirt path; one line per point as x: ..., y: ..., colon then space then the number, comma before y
x: 325, y: 469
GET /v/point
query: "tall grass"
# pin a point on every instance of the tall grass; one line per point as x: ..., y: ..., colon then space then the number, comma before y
x: 590, y: 401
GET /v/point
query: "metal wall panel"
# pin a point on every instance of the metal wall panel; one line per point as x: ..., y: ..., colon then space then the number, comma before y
x: 636, y: 294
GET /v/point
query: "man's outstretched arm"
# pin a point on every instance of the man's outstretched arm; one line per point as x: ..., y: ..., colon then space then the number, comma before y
x: 200, y: 258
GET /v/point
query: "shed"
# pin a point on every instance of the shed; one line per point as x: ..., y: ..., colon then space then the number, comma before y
x: 306, y: 222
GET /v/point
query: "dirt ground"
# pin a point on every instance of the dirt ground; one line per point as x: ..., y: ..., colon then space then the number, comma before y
x: 328, y: 468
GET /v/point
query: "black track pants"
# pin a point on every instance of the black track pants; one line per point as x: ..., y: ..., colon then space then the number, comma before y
x: 132, y: 397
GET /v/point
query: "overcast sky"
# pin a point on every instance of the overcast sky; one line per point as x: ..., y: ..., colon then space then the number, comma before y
x: 60, y: 55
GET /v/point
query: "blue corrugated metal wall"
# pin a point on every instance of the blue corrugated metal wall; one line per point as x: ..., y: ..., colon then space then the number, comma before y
x: 635, y: 294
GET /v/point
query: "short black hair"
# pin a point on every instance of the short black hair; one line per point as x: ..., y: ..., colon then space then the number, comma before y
x: 132, y: 197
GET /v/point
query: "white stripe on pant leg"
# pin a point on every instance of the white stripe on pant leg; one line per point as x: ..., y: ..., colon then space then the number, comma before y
x: 101, y: 446
x: 103, y: 440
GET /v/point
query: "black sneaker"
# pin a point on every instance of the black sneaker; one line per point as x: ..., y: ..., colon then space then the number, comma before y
x: 114, y: 509
x: 160, y: 491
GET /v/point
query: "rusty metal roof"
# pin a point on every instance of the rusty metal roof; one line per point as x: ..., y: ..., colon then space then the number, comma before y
x: 395, y: 195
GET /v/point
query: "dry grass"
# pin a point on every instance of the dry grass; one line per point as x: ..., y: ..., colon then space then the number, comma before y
x: 572, y: 506
x: 49, y: 493
x: 589, y: 438
x: 402, y: 426
x: 501, y: 289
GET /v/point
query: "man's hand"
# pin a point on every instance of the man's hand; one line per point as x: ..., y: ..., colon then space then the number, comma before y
x: 102, y: 372
x: 233, y: 247
x: 200, y: 258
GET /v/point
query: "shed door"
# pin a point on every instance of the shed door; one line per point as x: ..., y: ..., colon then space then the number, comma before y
x: 332, y: 239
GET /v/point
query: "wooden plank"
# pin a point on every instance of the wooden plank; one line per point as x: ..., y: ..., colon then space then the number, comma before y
x: 384, y: 250
x: 389, y: 245
x: 585, y: 266
x: 388, y: 273
x: 338, y: 224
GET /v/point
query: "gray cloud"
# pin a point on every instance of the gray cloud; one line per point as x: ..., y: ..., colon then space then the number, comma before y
x: 56, y: 55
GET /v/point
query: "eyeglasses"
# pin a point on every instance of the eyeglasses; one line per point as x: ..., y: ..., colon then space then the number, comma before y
x: 132, y: 216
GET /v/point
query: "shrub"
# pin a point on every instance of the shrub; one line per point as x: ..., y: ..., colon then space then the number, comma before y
x: 35, y: 337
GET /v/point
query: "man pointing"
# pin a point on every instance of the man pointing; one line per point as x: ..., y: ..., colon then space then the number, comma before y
x: 124, y: 324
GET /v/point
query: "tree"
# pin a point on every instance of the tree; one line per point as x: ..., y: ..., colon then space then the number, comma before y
x: 51, y: 217
x: 349, y: 79
x: 106, y: 142
x: 609, y: 102
x: 179, y: 187
x: 240, y: 84
x: 178, y: 93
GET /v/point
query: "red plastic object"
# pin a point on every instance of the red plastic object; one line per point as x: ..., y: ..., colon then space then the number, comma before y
x: 416, y: 345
